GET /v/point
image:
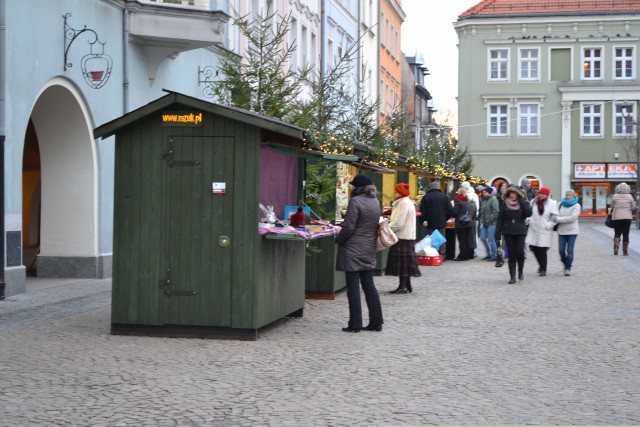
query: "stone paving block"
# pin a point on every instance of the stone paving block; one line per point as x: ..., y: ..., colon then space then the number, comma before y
x: 464, y: 348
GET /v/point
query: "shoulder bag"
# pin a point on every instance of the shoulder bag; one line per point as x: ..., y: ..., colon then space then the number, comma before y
x: 609, y: 222
x: 386, y: 236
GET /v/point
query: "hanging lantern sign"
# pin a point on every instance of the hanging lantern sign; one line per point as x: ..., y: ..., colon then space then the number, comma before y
x: 95, y: 66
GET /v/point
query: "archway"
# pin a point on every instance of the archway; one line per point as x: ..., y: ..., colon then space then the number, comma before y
x: 63, y: 228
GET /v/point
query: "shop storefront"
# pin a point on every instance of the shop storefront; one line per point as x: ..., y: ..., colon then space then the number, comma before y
x: 595, y: 183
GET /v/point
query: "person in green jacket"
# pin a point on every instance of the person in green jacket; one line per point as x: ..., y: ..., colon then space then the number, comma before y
x: 489, y: 209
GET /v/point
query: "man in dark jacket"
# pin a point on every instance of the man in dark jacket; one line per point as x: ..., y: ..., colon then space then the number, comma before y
x: 357, y: 253
x: 436, y: 209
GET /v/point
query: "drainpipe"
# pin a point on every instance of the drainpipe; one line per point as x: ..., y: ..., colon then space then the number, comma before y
x: 378, y: 37
x: 2, y: 136
x: 359, y: 60
x: 125, y: 64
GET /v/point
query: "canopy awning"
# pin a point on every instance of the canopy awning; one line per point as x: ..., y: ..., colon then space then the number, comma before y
x: 312, y: 154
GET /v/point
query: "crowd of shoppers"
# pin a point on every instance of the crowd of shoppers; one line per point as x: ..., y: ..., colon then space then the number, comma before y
x: 516, y: 215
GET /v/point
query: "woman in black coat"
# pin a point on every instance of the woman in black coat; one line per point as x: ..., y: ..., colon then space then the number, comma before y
x: 511, y: 224
x: 357, y: 253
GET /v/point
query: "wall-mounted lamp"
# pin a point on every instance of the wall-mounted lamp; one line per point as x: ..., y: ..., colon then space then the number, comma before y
x: 616, y: 156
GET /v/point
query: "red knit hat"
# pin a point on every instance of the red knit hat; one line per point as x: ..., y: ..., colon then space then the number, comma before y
x: 545, y: 190
x: 403, y: 189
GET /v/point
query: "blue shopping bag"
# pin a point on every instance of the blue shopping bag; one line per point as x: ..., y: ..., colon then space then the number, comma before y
x: 437, y: 239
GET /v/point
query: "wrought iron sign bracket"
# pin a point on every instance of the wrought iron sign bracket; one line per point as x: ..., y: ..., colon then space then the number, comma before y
x: 204, y: 76
x: 96, y: 66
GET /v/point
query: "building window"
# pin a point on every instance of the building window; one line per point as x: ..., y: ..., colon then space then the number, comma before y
x: 591, y: 119
x: 304, y: 47
x: 498, y: 120
x: 528, y: 119
x: 499, y: 64
x: 314, y: 50
x: 623, y: 60
x: 529, y: 64
x: 397, y: 45
x: 330, y: 53
x: 294, y: 37
x: 592, y: 63
x: 624, y: 117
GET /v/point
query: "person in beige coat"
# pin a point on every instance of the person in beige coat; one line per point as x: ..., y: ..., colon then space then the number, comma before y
x: 622, y: 207
x: 540, y: 233
x: 402, y: 260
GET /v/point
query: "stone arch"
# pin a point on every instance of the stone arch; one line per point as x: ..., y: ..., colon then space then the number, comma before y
x: 68, y: 228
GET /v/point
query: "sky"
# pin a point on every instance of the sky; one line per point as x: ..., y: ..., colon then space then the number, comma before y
x: 428, y: 28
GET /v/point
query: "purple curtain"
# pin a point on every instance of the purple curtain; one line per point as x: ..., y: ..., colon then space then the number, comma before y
x: 278, y: 180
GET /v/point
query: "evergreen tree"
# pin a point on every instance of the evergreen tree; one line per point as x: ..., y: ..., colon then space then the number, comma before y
x: 260, y: 79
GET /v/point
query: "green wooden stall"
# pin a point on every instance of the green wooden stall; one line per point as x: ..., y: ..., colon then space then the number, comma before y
x: 187, y: 257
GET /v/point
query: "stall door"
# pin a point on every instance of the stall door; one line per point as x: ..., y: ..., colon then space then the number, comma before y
x: 197, y: 248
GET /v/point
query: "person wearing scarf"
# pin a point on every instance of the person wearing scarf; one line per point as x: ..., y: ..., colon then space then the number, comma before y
x: 511, y: 224
x: 540, y: 235
x: 568, y: 229
x: 464, y: 232
x: 402, y: 261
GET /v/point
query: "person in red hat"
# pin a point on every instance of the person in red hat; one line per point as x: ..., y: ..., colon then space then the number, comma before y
x: 540, y: 234
x: 402, y: 260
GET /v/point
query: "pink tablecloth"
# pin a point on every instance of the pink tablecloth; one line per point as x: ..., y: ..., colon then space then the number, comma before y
x: 299, y: 232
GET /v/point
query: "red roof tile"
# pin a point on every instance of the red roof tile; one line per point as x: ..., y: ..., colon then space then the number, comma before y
x: 550, y: 7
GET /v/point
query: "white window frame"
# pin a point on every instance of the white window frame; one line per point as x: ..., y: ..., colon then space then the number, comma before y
x: 588, y: 57
x: 628, y: 60
x: 530, y: 62
x: 497, y: 119
x: 596, y: 118
x: 532, y: 119
x: 620, y: 129
x: 501, y: 62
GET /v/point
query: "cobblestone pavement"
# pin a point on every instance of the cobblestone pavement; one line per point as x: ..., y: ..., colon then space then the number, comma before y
x: 464, y: 348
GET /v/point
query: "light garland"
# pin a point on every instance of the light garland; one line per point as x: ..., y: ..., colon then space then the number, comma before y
x: 385, y: 157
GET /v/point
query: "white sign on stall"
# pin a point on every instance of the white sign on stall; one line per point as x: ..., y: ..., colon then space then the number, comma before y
x: 219, y: 188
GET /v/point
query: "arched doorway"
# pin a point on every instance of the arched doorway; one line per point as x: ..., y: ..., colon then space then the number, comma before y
x: 60, y: 186
x: 31, y: 192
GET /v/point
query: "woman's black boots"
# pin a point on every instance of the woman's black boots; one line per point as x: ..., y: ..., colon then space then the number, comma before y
x: 512, y: 273
x: 521, y: 272
x: 407, y: 283
x: 402, y: 287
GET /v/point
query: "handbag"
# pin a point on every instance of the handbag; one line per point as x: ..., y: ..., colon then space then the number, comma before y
x: 499, y: 256
x: 464, y: 220
x: 386, y: 236
x: 555, y: 227
x: 609, y: 222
